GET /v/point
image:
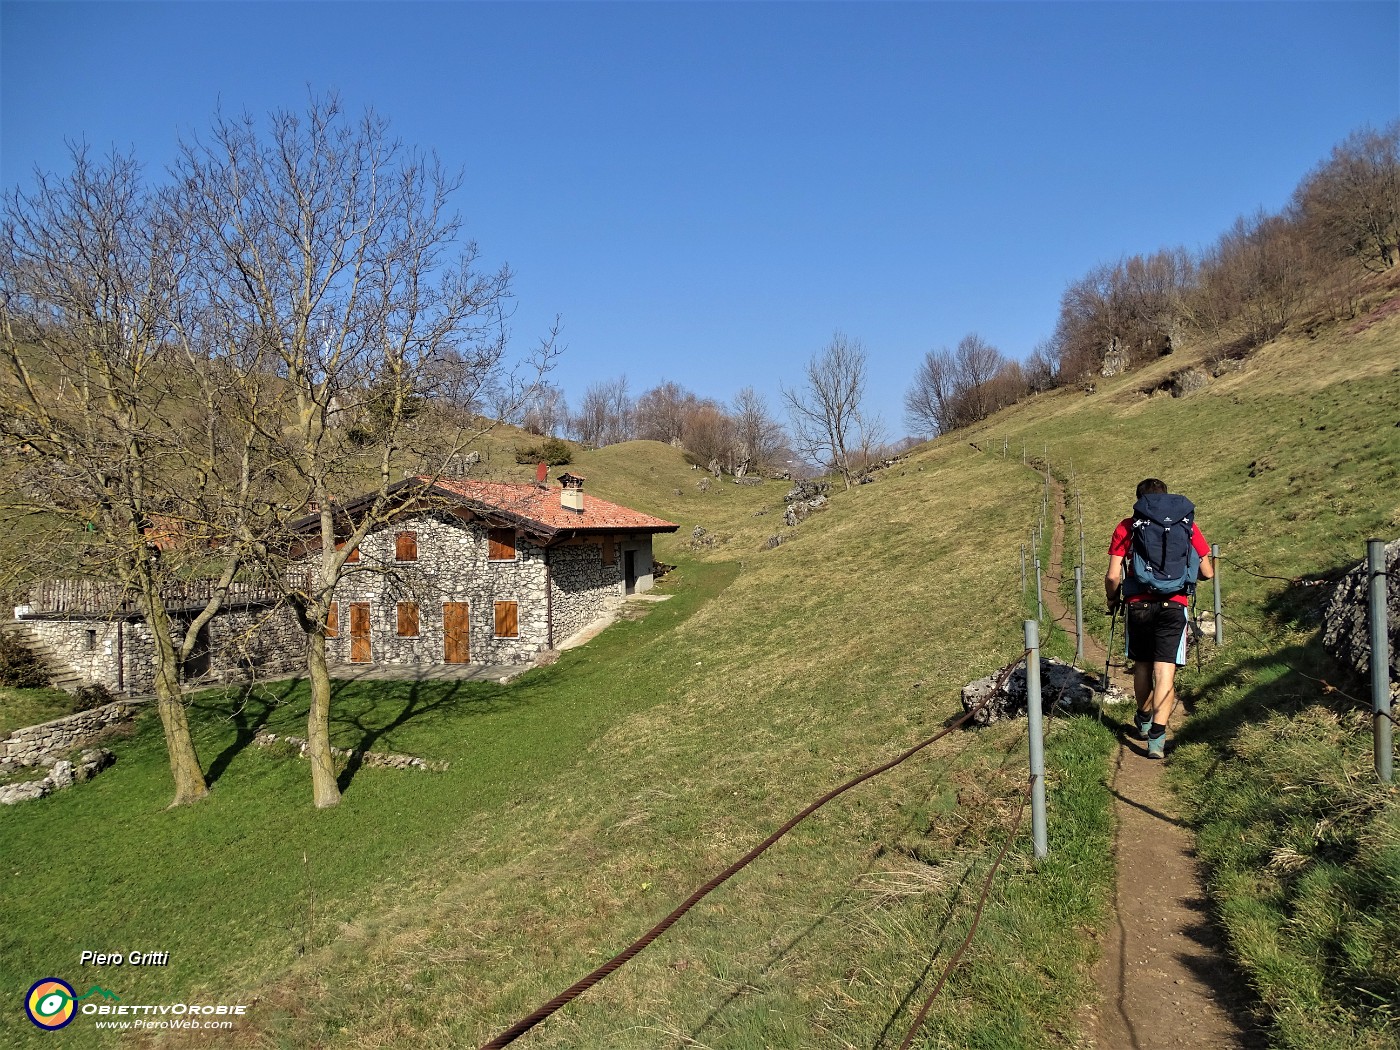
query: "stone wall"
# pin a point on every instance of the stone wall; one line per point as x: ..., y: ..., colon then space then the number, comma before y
x: 584, y: 589
x: 27, y: 746
x: 1347, y: 621
x: 255, y: 643
x: 116, y: 653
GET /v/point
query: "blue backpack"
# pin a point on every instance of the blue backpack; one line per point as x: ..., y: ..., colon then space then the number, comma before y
x: 1161, y: 561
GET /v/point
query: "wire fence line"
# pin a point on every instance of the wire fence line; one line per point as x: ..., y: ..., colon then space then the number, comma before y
x: 1297, y: 581
x: 1327, y: 687
x: 619, y: 960
x: 976, y: 918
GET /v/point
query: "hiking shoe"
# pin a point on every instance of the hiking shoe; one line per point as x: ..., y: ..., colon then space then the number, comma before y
x: 1143, y: 723
x: 1157, y: 747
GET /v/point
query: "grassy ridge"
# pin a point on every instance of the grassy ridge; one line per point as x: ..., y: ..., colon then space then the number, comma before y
x: 1293, y: 463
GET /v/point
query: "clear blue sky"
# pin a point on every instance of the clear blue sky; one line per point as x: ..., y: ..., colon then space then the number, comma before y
x: 707, y: 191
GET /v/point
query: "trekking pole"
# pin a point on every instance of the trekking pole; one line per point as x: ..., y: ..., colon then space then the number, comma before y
x: 1112, y: 623
x: 1215, y: 588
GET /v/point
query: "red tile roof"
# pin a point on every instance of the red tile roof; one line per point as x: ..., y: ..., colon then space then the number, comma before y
x: 540, y: 507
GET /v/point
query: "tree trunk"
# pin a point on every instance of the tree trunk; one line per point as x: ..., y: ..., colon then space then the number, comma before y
x: 190, y: 785
x: 325, y: 790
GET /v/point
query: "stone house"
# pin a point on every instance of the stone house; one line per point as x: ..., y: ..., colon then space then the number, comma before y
x: 485, y: 572
x: 459, y: 572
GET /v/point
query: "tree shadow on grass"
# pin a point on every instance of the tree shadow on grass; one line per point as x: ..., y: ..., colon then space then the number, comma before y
x: 393, y: 705
x: 252, y: 707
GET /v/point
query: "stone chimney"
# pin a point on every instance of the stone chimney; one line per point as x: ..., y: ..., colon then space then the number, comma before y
x: 571, y: 494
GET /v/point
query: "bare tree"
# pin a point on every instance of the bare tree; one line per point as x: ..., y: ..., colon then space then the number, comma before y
x: 660, y: 413
x: 112, y: 411
x: 930, y: 405
x: 761, y: 440
x: 828, y: 425
x: 709, y: 436
x: 331, y: 245
x: 605, y: 415
x: 546, y: 411
x: 1350, y: 204
x: 1040, y: 368
x: 976, y: 363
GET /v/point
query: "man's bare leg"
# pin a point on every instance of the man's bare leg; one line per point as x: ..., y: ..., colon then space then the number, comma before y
x: 1163, y: 677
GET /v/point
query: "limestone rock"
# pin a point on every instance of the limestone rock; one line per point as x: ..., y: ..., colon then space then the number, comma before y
x: 1064, y: 689
x: 1346, y: 632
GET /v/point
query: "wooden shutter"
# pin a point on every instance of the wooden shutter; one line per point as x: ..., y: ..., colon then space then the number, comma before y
x: 333, y: 620
x: 354, y: 554
x: 408, y: 619
x: 406, y: 546
x: 609, y: 551
x: 502, y: 544
x: 507, y: 620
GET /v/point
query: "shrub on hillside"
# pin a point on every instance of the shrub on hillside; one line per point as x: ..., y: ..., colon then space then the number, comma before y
x: 552, y: 451
x: 19, y: 667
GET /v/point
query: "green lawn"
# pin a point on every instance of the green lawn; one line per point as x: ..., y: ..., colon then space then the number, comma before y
x: 28, y: 707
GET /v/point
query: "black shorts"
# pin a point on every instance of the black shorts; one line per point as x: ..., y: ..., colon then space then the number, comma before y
x: 1156, y: 632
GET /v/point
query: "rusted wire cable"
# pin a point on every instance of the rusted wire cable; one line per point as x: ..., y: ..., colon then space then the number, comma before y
x: 1327, y: 687
x: 1297, y: 581
x: 627, y: 954
x: 976, y: 920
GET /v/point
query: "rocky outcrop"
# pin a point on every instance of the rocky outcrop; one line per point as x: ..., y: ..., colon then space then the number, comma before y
x: 1347, y: 622
x: 62, y: 774
x: 1064, y: 689
x: 1115, y: 359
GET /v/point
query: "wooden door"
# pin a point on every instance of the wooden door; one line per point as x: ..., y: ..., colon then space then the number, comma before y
x: 359, y: 633
x: 456, y: 633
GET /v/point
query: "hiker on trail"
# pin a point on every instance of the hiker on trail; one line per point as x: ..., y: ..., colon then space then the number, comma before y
x: 1154, y: 560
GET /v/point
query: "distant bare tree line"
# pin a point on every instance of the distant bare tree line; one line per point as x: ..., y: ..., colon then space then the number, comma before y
x: 740, y: 436
x: 1260, y: 276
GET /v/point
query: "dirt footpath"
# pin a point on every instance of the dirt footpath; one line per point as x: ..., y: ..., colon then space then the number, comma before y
x: 1163, y: 980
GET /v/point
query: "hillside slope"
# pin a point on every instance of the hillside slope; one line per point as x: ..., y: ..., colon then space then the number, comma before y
x: 586, y: 799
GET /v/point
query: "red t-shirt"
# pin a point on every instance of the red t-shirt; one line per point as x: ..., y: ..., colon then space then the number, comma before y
x: 1121, y: 544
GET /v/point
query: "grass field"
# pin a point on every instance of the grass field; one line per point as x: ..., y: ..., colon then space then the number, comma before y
x: 586, y: 799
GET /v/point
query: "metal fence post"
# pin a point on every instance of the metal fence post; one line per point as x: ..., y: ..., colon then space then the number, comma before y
x: 1380, y: 660
x: 1037, y: 735
x: 1023, y: 570
x: 1039, y: 604
x: 1078, y: 615
x: 1215, y: 588
x: 1079, y: 505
